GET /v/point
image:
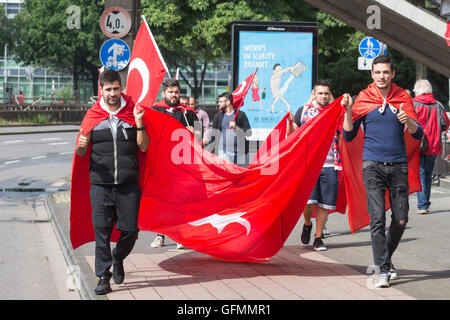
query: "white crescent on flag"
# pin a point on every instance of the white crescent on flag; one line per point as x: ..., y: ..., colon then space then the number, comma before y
x: 221, y: 221
x: 142, y: 68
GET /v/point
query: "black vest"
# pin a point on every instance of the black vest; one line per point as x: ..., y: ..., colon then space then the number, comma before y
x: 114, y: 161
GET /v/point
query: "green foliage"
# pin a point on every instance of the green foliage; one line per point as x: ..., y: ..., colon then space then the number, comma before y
x: 4, y: 28
x: 64, y: 93
x: 42, y: 37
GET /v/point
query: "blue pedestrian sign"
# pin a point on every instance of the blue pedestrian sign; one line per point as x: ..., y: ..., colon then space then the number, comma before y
x: 370, y: 48
x: 115, y: 54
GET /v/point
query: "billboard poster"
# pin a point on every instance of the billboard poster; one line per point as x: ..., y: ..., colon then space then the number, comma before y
x: 285, y: 55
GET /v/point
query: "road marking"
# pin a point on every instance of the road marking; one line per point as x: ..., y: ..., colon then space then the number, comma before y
x: 57, y: 143
x: 13, y: 141
x: 13, y: 161
x: 38, y: 157
x: 50, y: 139
x: 62, y: 153
x: 58, y: 184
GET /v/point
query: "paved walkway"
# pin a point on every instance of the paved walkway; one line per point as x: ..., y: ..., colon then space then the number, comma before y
x: 293, y: 274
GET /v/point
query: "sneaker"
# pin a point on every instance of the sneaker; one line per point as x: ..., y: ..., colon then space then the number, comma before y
x: 103, y: 286
x: 428, y: 210
x: 422, y: 211
x: 180, y: 246
x: 393, y: 273
x: 118, y: 272
x: 306, y: 235
x: 158, y: 242
x: 383, y: 281
x: 318, y: 245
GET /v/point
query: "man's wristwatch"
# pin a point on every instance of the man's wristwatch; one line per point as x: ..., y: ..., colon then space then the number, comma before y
x: 140, y: 129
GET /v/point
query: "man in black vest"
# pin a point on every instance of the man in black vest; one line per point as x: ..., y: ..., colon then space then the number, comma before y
x: 114, y: 175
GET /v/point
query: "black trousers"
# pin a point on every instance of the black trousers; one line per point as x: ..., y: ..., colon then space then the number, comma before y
x: 114, y: 204
x: 377, y: 178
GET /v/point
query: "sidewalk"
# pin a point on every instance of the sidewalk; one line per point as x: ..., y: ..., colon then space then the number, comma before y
x: 295, y: 273
x: 47, y: 128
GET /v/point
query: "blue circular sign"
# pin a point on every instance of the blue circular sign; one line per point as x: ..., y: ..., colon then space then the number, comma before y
x: 115, y: 54
x: 370, y: 48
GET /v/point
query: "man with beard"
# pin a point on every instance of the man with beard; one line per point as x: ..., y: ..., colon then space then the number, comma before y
x: 111, y: 134
x: 325, y: 192
x: 184, y: 114
x: 390, y: 148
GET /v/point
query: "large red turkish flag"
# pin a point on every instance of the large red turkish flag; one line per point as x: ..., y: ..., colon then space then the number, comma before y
x: 224, y: 210
x: 147, y: 68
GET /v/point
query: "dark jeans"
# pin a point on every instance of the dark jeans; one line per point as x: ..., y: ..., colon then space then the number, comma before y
x: 111, y: 205
x: 377, y: 178
x: 426, y: 170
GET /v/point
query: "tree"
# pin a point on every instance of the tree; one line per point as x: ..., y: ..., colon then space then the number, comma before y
x: 193, y: 33
x: 4, y: 29
x: 45, y: 36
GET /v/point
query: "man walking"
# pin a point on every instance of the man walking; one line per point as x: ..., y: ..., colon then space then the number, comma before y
x: 203, y: 118
x: 231, y: 144
x: 185, y: 115
x: 114, y: 129
x: 384, y: 110
x: 434, y: 120
x: 324, y: 194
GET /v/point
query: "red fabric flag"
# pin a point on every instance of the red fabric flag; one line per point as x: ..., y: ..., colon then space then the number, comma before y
x: 147, y: 68
x: 99, y: 88
x: 81, y: 228
x: 447, y: 34
x: 224, y: 210
x: 241, y: 91
x: 366, y: 101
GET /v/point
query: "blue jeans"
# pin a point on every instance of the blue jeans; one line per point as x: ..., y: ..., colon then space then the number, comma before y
x: 426, y: 170
x: 377, y: 178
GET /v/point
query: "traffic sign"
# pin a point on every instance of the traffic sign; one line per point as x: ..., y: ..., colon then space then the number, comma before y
x: 115, y: 54
x: 364, y: 63
x: 370, y: 48
x: 115, y: 22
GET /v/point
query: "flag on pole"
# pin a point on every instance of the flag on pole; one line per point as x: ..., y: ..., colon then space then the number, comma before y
x: 99, y: 91
x: 147, y: 68
x: 241, y: 91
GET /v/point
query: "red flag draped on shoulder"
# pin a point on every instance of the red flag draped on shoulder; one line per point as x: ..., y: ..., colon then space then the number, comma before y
x: 147, y: 68
x: 241, y: 91
x: 224, y: 210
x: 366, y: 101
x: 81, y: 228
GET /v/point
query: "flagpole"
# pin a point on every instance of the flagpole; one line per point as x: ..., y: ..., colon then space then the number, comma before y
x: 156, y: 46
x: 239, y: 108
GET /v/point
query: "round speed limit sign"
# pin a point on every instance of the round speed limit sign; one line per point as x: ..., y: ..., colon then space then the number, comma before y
x: 115, y: 22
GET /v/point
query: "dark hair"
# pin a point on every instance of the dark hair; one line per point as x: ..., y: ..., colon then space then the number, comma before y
x: 184, y: 98
x: 321, y: 83
x: 227, y: 96
x: 275, y: 65
x: 109, y: 76
x: 170, y: 83
x: 383, y: 59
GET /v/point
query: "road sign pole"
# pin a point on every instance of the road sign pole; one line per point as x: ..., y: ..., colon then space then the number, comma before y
x: 133, y: 7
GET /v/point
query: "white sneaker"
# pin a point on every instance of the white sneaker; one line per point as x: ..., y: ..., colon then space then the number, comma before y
x: 158, y: 242
x: 383, y: 280
x: 180, y: 246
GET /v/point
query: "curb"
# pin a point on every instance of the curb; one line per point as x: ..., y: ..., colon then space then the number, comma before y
x: 37, y: 131
x: 85, y: 285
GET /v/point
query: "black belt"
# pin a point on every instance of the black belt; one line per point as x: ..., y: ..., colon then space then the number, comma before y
x: 388, y: 164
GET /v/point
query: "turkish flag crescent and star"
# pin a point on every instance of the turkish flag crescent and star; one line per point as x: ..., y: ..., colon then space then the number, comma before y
x: 147, y: 68
x: 241, y: 91
x: 225, y: 210
x: 351, y: 152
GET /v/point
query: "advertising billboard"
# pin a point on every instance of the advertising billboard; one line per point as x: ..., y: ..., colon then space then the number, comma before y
x: 285, y: 54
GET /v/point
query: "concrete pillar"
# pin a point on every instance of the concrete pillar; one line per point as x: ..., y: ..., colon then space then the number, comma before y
x: 134, y: 9
x: 421, y: 71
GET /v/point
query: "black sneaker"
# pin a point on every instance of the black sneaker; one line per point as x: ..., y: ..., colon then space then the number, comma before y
x: 103, y: 286
x: 318, y: 245
x: 118, y: 272
x: 306, y: 234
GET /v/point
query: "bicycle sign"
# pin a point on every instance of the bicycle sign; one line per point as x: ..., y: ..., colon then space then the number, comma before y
x: 370, y: 48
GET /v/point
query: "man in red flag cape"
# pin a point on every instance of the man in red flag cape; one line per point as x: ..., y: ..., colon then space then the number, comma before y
x: 325, y: 193
x: 185, y: 115
x: 234, y: 213
x: 387, y: 155
x: 105, y: 192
